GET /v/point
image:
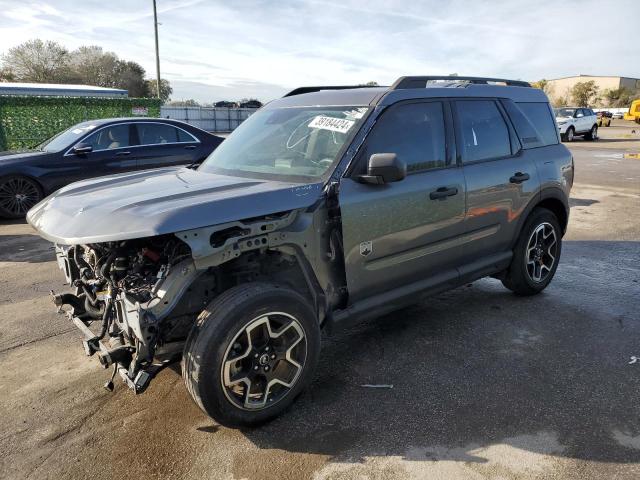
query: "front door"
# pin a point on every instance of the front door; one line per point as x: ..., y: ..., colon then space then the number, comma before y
x: 402, y: 232
x: 111, y: 153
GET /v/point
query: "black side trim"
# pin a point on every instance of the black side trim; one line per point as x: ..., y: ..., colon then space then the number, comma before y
x: 409, y: 294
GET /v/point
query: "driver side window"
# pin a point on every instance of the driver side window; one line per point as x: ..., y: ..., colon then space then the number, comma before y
x: 109, y: 138
x: 415, y: 132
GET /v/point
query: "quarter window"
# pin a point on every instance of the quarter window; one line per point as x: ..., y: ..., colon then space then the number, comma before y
x: 540, y: 117
x: 108, y: 138
x: 485, y: 134
x: 414, y: 132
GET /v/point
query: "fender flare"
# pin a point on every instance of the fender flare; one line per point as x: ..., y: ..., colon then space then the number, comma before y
x: 555, y: 194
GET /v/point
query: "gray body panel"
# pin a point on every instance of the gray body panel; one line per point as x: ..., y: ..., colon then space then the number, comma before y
x: 410, y: 234
x: 156, y: 202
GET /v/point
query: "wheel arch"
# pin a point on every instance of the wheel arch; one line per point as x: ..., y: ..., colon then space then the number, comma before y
x: 554, y: 200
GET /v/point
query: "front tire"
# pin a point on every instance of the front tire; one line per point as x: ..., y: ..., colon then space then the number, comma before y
x: 569, y: 135
x: 250, y: 353
x: 17, y: 195
x: 536, y: 254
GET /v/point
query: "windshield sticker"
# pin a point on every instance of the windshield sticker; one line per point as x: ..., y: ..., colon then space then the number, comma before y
x: 356, y: 113
x: 330, y: 123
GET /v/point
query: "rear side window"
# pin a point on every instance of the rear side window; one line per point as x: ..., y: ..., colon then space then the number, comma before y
x: 414, y: 132
x: 157, y: 133
x: 485, y: 134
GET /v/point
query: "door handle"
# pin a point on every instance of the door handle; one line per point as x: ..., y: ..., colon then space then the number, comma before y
x: 190, y: 147
x: 122, y: 154
x: 443, y: 192
x: 519, y: 177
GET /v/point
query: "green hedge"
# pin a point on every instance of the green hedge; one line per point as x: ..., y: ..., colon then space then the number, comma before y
x: 26, y: 121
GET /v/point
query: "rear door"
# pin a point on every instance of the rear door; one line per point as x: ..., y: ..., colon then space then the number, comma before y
x: 501, y: 178
x: 111, y: 153
x: 164, y: 145
x: 402, y: 232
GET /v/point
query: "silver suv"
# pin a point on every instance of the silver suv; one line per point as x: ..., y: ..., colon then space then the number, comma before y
x: 331, y: 203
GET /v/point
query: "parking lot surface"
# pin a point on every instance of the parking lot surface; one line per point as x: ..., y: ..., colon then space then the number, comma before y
x: 485, y: 384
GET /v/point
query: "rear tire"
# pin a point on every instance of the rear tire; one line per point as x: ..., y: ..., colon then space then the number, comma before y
x: 17, y: 195
x: 245, y: 346
x: 592, y: 134
x: 536, y: 254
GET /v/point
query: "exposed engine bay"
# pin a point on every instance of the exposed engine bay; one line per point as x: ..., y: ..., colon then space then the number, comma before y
x: 136, y: 300
x: 128, y: 288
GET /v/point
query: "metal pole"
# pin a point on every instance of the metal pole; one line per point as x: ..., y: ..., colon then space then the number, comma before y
x: 155, y: 27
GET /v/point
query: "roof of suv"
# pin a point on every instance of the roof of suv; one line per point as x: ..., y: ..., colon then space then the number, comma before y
x: 404, y: 89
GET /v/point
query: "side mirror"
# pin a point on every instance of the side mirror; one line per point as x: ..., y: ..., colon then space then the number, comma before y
x: 82, y: 148
x: 384, y: 168
x: 580, y: 115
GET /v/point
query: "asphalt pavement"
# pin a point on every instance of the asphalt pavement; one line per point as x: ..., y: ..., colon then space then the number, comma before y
x: 486, y: 385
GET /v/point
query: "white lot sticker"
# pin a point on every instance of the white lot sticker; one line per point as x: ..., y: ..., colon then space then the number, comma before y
x: 329, y: 123
x: 356, y: 113
x: 80, y: 130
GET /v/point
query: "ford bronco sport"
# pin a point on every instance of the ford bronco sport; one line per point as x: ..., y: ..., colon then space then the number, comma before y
x: 329, y: 203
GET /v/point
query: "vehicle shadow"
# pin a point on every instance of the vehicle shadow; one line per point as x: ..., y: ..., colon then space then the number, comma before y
x: 479, y: 366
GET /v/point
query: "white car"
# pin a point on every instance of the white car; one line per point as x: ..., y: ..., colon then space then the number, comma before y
x: 618, y: 115
x: 576, y: 121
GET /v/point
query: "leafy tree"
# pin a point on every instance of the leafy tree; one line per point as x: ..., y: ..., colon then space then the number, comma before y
x: 620, y: 97
x: 165, y: 89
x: 372, y: 84
x: 542, y: 85
x: 48, y: 62
x: 38, y: 61
x: 583, y: 93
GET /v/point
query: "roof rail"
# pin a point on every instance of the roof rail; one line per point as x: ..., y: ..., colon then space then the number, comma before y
x: 301, y: 90
x: 421, y: 82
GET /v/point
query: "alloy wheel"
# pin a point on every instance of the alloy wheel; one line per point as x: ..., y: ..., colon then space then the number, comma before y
x: 18, y: 195
x: 264, y: 361
x: 570, y: 135
x: 541, y: 252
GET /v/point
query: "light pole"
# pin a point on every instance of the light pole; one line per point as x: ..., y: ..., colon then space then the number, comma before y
x: 155, y: 27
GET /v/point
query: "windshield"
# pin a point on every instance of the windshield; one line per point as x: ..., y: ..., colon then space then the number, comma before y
x: 565, y: 112
x: 286, y: 142
x: 66, y: 138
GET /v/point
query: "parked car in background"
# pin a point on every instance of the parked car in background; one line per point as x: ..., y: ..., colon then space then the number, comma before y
x: 93, y: 149
x: 225, y: 104
x: 251, y: 104
x: 618, y: 115
x: 576, y: 121
x: 327, y: 204
x: 604, y: 119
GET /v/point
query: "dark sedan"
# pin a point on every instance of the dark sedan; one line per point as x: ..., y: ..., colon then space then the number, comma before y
x: 93, y: 149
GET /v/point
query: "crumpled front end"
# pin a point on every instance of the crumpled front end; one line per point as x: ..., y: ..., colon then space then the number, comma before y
x: 123, y: 295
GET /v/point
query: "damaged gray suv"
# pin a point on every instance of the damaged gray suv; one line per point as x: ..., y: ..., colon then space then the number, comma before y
x: 327, y: 204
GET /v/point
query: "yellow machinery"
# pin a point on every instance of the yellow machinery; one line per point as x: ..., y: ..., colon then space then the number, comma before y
x: 634, y: 112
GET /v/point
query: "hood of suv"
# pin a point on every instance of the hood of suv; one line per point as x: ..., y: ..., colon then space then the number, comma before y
x: 156, y: 202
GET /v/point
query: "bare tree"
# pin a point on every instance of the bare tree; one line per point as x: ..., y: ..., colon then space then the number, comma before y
x: 38, y: 61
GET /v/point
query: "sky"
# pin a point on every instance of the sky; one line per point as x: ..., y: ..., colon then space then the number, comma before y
x: 226, y: 50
